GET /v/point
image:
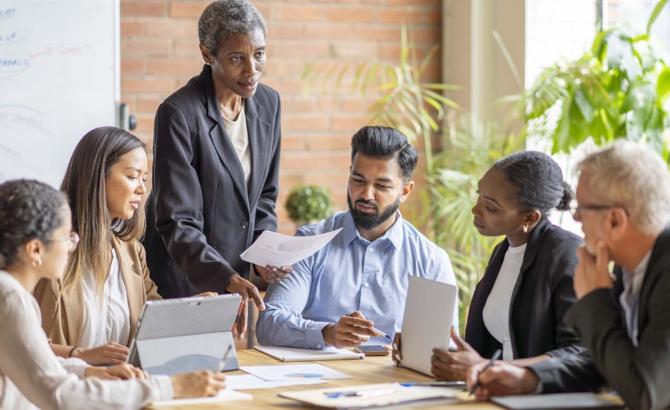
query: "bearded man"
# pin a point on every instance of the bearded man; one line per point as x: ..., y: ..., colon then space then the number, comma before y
x: 359, y: 280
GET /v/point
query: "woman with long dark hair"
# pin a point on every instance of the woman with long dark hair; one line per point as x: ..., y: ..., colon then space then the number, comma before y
x: 92, y: 312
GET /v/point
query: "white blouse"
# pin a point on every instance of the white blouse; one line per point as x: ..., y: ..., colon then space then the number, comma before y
x: 239, y: 137
x: 106, y: 318
x: 31, y: 376
x: 496, y: 309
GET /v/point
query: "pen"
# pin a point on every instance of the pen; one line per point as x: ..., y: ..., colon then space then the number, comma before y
x: 491, y: 362
x: 434, y: 384
x: 380, y: 333
x: 225, y: 356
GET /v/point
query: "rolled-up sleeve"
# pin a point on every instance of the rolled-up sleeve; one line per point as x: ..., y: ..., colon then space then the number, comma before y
x: 281, y: 323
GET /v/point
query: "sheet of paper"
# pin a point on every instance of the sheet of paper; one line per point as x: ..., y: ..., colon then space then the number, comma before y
x: 223, y: 396
x: 251, y: 382
x: 276, y: 249
x: 290, y: 354
x: 370, y: 395
x: 295, y: 372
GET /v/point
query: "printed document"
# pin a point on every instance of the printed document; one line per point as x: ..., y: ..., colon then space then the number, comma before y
x: 276, y: 249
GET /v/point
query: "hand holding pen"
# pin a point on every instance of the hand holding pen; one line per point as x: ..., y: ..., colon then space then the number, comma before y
x: 501, y: 379
x: 350, y: 331
x: 488, y: 365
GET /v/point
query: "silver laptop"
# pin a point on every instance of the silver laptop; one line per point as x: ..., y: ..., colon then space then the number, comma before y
x: 426, y: 323
x: 186, y: 334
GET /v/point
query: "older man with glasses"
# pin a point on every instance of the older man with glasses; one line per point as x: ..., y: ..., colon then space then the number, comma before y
x: 623, y: 318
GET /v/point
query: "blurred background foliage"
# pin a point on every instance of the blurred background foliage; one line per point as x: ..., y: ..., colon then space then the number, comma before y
x: 618, y: 88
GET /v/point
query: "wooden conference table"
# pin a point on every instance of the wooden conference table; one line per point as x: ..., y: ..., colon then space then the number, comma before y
x: 368, y: 371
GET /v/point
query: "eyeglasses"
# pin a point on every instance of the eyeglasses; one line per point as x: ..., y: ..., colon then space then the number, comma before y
x: 577, y: 209
x: 72, y: 239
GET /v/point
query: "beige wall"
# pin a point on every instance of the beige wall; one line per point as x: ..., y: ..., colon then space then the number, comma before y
x: 473, y: 59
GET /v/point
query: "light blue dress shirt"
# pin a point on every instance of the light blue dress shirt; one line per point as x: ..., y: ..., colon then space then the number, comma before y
x: 350, y: 273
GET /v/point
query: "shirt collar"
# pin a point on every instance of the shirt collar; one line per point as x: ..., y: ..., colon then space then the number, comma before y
x: 634, y: 279
x: 394, y: 234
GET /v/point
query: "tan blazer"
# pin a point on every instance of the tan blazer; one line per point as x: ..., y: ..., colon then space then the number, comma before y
x: 62, y: 319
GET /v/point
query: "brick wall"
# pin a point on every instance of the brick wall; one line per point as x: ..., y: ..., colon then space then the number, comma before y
x: 159, y: 53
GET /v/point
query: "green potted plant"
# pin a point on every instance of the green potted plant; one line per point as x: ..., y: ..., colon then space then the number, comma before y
x: 308, y: 203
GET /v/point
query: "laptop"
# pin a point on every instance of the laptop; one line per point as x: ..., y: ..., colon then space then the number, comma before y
x: 427, y: 321
x: 186, y: 334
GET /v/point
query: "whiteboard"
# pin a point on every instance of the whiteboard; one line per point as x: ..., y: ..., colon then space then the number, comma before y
x: 59, y: 65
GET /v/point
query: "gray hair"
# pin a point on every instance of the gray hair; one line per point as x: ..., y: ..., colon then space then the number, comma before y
x: 224, y: 17
x: 632, y: 176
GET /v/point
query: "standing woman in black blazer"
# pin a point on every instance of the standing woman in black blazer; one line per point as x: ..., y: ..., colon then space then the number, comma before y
x: 216, y: 163
x: 519, y: 304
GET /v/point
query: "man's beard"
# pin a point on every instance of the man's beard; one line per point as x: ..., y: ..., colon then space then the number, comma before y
x: 370, y: 221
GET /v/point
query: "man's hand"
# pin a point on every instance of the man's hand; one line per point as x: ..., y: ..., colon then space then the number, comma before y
x: 592, y: 272
x: 502, y: 379
x: 351, y: 330
x: 247, y: 290
x: 451, y: 366
x: 273, y: 274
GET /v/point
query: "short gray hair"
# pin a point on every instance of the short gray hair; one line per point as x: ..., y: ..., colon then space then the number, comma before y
x: 633, y: 176
x: 224, y: 17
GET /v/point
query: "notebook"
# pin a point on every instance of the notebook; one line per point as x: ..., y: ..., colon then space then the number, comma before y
x: 371, y: 395
x: 289, y: 354
x: 559, y: 401
x: 223, y: 396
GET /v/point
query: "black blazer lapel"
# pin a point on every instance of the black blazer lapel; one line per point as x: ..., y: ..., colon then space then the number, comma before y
x: 257, y: 126
x: 221, y: 141
x: 655, y: 268
x: 529, y: 256
x: 476, y: 333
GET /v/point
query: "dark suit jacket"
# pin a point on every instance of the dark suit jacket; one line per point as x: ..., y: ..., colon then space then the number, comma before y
x: 541, y: 296
x: 639, y: 374
x: 201, y: 215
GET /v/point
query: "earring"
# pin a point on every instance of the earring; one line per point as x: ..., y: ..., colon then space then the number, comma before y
x: 37, y: 263
x: 525, y: 229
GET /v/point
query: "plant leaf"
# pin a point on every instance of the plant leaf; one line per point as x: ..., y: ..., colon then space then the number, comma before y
x: 584, y: 106
x: 654, y: 14
x: 663, y: 84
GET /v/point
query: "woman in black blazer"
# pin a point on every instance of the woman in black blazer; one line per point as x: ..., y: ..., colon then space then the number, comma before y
x: 519, y: 304
x: 216, y: 163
